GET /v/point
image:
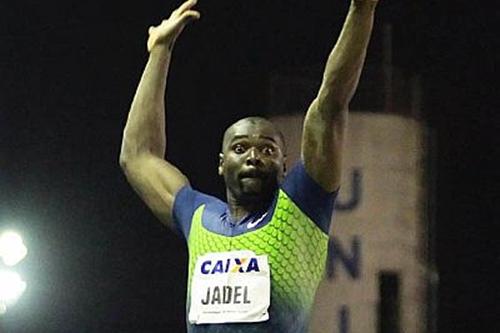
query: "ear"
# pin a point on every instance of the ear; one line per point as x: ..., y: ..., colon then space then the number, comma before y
x: 284, y: 165
x: 221, y: 164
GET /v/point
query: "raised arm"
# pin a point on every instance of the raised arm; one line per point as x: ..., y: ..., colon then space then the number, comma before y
x: 325, y: 122
x: 144, y: 138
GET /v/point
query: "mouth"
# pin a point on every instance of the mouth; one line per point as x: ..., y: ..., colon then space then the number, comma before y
x: 252, y: 174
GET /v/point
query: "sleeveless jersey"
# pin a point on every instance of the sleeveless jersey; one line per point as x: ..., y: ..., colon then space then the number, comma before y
x: 292, y: 232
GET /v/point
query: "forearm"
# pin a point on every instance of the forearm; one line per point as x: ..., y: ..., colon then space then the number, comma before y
x: 145, y: 128
x: 346, y: 60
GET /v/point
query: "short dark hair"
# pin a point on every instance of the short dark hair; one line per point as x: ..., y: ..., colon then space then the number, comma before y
x: 254, y: 120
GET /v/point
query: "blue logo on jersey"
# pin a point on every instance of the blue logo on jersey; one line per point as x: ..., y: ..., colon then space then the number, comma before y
x: 230, y: 265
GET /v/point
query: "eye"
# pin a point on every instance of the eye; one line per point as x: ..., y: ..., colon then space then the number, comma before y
x: 239, y: 149
x: 268, y: 150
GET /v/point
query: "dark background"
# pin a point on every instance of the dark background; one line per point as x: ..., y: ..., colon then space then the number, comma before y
x: 99, y: 261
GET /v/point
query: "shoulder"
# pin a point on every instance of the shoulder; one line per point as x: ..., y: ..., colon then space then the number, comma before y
x: 309, y: 196
x: 186, y: 202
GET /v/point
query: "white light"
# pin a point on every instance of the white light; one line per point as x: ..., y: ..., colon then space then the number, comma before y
x: 12, y: 248
x: 3, y: 308
x: 11, y: 288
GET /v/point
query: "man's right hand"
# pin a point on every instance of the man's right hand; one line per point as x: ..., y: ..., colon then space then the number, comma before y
x: 167, y: 32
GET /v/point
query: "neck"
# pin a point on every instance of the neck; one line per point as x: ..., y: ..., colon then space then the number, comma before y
x: 241, y: 208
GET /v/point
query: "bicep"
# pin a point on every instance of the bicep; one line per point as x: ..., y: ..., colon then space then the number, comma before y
x: 322, y: 144
x: 157, y: 182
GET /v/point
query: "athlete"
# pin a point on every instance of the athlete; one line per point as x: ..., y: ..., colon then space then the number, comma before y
x: 255, y: 261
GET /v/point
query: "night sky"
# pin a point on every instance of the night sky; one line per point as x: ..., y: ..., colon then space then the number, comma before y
x: 99, y: 261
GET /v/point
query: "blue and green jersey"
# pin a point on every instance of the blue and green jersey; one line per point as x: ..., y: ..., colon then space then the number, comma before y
x: 293, y: 233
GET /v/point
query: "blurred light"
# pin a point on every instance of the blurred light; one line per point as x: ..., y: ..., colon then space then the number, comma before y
x: 11, y: 288
x: 12, y: 248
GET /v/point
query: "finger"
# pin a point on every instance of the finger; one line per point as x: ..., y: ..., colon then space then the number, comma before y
x: 150, y: 30
x: 189, y: 15
x: 185, y: 6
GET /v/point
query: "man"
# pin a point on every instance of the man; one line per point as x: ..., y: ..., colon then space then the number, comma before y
x: 254, y: 262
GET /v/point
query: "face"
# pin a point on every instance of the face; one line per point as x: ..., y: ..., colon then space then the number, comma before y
x: 252, y: 160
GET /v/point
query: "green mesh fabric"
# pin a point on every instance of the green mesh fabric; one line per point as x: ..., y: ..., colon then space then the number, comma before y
x: 295, y: 246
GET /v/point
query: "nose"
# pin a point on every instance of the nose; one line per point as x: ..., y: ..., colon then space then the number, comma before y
x: 253, y: 157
